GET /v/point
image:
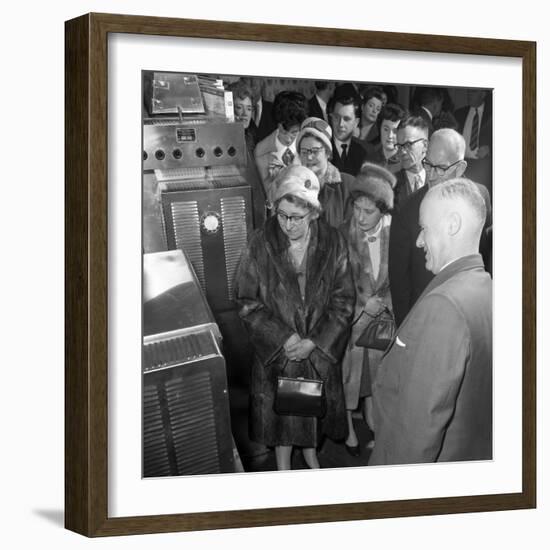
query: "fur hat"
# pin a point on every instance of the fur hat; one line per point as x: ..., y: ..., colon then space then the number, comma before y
x: 298, y: 181
x: 317, y: 128
x: 376, y: 183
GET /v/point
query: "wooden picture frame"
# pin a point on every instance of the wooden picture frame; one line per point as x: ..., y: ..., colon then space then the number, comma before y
x: 86, y: 283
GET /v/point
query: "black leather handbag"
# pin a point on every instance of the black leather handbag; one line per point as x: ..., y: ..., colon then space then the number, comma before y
x: 379, y: 332
x: 300, y: 396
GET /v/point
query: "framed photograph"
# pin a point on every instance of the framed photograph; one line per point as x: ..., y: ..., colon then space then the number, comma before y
x: 170, y: 174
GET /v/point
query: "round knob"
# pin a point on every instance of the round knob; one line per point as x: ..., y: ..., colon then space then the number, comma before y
x: 177, y: 154
x: 159, y: 154
x: 232, y: 151
x: 145, y: 155
x: 200, y: 152
x: 218, y: 152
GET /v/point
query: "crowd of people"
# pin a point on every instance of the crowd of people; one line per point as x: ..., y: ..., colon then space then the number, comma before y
x: 372, y: 209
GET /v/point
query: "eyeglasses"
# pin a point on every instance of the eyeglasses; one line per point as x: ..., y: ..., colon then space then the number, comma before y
x: 439, y: 170
x: 408, y: 145
x: 314, y: 151
x: 292, y: 219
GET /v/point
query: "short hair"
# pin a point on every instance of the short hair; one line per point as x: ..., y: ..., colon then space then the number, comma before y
x: 241, y: 90
x: 466, y: 190
x: 290, y: 108
x: 414, y: 122
x: 321, y: 85
x: 298, y: 201
x: 373, y: 91
x: 393, y: 112
x: 345, y: 100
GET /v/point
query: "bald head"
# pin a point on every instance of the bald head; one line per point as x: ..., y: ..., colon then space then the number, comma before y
x: 445, y: 156
x: 452, y: 215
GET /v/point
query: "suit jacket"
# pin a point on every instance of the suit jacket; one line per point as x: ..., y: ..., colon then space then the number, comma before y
x: 267, y: 124
x: 314, y: 109
x: 355, y: 157
x: 480, y: 170
x: 433, y: 393
x: 407, y: 263
x: 402, y: 189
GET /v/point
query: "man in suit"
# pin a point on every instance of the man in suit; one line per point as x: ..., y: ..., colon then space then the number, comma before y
x: 412, y: 144
x: 348, y: 154
x: 317, y: 105
x: 408, y: 274
x: 475, y: 123
x: 262, y: 123
x: 433, y: 393
x: 430, y: 103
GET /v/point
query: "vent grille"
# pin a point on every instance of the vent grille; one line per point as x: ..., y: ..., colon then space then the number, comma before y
x: 193, y: 424
x: 234, y: 236
x: 185, y: 217
x: 155, y: 451
x: 175, y: 351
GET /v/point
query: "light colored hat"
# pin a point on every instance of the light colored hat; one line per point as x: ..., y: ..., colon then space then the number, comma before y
x: 298, y: 181
x: 318, y: 128
x: 375, y: 182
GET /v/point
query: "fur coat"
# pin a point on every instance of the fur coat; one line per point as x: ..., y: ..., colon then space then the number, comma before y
x: 272, y: 309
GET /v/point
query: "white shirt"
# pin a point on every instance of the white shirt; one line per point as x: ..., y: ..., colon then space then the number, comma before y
x: 412, y: 179
x: 339, y: 144
x: 258, y: 114
x: 467, y: 132
x: 282, y: 148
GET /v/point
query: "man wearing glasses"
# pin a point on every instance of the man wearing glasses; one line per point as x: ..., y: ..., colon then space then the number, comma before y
x: 412, y: 144
x: 406, y: 263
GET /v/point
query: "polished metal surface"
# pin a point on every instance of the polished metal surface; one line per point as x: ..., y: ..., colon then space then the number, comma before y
x: 214, y: 143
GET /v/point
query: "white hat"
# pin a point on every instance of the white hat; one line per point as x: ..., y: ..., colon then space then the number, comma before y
x: 297, y: 181
x: 318, y: 128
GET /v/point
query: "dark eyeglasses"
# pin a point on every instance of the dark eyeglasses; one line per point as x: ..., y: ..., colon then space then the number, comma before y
x: 408, y: 145
x: 314, y: 151
x: 292, y: 219
x: 439, y: 170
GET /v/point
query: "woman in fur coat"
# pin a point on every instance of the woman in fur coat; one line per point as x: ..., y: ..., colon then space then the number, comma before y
x: 296, y: 295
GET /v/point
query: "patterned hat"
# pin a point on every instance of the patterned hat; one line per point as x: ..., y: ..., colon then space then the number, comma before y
x: 375, y: 182
x: 318, y: 128
x: 298, y: 181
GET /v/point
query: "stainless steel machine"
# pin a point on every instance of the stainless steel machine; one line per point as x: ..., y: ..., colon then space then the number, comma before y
x: 186, y: 421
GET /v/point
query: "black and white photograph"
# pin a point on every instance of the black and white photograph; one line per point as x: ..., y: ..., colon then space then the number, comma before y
x: 317, y: 286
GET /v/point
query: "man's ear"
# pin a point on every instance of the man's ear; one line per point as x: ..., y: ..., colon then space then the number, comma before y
x: 461, y: 168
x: 454, y: 223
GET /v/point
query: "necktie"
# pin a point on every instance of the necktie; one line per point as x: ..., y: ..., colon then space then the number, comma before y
x: 417, y: 182
x: 344, y: 152
x: 475, y: 132
x: 288, y: 157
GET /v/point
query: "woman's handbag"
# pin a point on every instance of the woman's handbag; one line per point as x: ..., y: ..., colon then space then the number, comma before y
x: 300, y: 396
x: 379, y: 332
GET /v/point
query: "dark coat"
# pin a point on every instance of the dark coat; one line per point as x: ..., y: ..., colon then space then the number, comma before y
x: 315, y: 109
x: 267, y: 124
x: 355, y: 158
x: 402, y: 189
x: 376, y: 155
x: 334, y: 196
x: 407, y: 263
x: 271, y: 308
x: 433, y: 393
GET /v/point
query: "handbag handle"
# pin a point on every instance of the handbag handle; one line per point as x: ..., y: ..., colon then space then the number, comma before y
x: 384, y: 309
x: 287, y: 361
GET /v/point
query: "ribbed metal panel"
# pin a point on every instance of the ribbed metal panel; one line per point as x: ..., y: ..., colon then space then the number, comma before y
x: 174, y: 351
x: 155, y: 450
x: 193, y: 424
x: 234, y: 235
x: 185, y: 218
